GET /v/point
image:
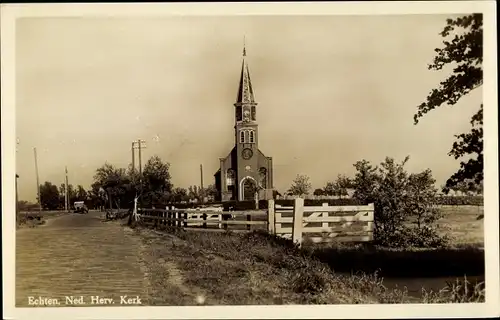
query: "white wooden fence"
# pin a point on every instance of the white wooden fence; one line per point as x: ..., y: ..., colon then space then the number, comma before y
x: 193, y: 219
x: 322, y: 223
x: 316, y: 223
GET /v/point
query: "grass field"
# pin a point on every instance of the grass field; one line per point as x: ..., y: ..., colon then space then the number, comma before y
x: 463, y: 224
x: 256, y: 268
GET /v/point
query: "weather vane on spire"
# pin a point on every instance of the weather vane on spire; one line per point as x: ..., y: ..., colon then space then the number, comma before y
x: 244, y: 48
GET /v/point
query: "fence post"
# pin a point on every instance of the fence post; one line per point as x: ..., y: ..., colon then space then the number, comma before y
x: 169, y: 218
x: 165, y: 216
x: 324, y: 214
x: 220, y: 220
x: 204, y: 220
x: 225, y: 217
x: 270, y: 217
x: 249, y: 218
x: 298, y: 213
x: 370, y: 224
x: 185, y: 219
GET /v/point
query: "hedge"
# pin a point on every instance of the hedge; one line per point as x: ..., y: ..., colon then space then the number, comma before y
x: 250, y: 205
x: 461, y: 201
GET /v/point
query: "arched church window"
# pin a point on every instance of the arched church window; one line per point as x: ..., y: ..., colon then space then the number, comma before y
x: 230, y: 177
x: 263, y: 177
x: 242, y: 136
x: 254, y: 113
x: 251, y: 136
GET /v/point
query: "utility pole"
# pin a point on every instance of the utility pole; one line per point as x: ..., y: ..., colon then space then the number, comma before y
x: 139, y: 144
x: 37, y: 182
x: 202, y: 190
x: 66, y: 192
x: 133, y: 156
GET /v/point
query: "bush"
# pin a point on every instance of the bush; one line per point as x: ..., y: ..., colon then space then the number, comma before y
x: 460, y: 200
x: 400, y: 199
x: 423, y: 237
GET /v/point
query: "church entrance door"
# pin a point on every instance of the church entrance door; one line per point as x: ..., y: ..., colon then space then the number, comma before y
x: 249, y: 188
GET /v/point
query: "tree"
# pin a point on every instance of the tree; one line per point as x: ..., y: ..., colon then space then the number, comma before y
x: 404, y: 203
x: 300, y: 186
x: 465, y: 53
x: 339, y: 186
x: 211, y: 192
x: 365, y: 181
x: 113, y: 182
x: 49, y: 196
x: 421, y: 188
x: 72, y: 197
x: 97, y: 195
x: 156, y: 181
x: 319, y: 192
x: 179, y: 195
x: 81, y: 194
x: 194, y: 193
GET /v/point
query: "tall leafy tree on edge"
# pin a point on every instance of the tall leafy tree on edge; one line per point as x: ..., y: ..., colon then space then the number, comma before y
x: 465, y: 53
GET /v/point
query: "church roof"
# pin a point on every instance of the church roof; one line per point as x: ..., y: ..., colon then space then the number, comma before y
x: 245, y: 90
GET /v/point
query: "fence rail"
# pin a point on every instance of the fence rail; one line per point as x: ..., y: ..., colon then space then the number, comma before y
x: 185, y: 218
x: 316, y: 223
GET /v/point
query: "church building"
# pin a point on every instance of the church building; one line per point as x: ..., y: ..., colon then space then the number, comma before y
x: 245, y: 170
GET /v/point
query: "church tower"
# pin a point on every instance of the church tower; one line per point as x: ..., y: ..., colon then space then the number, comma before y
x: 246, y: 169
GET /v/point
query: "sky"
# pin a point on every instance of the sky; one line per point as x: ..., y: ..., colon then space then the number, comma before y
x: 332, y: 90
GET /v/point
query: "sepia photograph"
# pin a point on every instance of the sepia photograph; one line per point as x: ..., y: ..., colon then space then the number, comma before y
x: 258, y: 155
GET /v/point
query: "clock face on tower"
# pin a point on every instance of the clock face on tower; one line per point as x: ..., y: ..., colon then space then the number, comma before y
x: 246, y: 115
x: 247, y: 153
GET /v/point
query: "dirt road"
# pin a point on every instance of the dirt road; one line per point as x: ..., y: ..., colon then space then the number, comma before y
x: 79, y: 260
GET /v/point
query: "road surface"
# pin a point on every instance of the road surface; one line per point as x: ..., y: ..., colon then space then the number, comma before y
x: 79, y: 260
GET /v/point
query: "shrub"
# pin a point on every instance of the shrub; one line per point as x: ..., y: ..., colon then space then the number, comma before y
x: 413, y: 237
x: 400, y: 198
x: 460, y: 200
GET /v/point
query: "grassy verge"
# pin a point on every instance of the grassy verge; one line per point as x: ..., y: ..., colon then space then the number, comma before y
x: 35, y: 218
x: 188, y: 268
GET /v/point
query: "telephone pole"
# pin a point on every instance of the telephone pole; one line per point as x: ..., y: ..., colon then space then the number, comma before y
x: 66, y: 192
x: 202, y: 190
x: 37, y: 181
x: 139, y: 144
x: 133, y: 156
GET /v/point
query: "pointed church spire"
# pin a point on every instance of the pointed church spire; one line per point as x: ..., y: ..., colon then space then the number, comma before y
x: 244, y: 48
x: 245, y: 90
